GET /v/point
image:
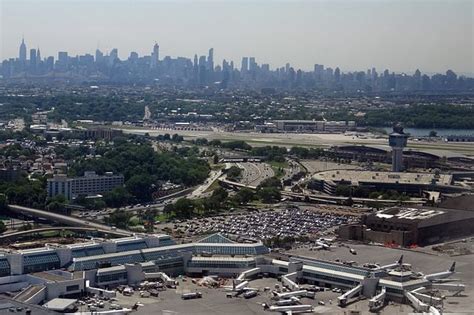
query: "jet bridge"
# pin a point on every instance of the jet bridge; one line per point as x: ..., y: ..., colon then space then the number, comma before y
x: 377, y: 301
x: 247, y: 274
x: 416, y: 299
x: 349, y: 294
x: 289, y: 281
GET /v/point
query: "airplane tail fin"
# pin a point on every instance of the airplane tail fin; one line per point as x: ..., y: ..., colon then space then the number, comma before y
x: 400, y: 261
x: 233, y: 285
x: 452, y: 267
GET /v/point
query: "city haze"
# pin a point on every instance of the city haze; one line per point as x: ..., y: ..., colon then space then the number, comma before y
x: 403, y: 36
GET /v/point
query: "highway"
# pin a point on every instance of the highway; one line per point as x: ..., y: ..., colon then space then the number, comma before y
x: 67, y: 220
x: 213, y: 176
x: 254, y: 173
x: 324, y: 198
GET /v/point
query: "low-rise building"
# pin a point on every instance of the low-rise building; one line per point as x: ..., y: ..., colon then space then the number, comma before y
x: 410, y: 183
x: 411, y: 226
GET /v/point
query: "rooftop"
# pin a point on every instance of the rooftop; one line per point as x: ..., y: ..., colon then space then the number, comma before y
x: 355, y: 176
x: 425, y: 216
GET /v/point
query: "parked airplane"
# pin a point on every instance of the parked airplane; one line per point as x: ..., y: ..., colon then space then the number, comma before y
x: 291, y: 301
x: 398, y: 263
x: 240, y: 288
x: 441, y: 275
x: 299, y: 293
x: 290, y: 309
x: 322, y: 245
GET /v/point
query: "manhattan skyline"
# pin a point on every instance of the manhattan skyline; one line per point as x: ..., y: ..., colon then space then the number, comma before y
x: 431, y: 36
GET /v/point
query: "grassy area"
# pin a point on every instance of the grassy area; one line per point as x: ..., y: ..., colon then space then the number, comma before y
x: 213, y: 186
x: 162, y: 218
x: 217, y: 167
x: 278, y: 168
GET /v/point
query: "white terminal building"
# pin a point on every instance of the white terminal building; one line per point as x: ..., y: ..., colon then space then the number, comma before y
x: 39, y: 275
x: 327, y: 181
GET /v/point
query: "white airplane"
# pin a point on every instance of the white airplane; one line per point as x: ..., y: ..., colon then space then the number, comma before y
x: 441, y: 275
x: 291, y: 301
x: 240, y: 288
x: 322, y: 245
x: 290, y: 309
x: 398, y: 263
x: 287, y: 295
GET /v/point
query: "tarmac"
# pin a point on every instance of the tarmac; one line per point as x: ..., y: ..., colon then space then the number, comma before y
x: 214, y: 301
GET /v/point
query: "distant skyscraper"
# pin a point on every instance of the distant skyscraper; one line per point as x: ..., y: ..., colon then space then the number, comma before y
x: 252, y: 64
x: 22, y: 55
x: 33, y: 60
x: 63, y: 60
x: 337, y: 74
x: 245, y: 65
x: 99, y: 56
x: 38, y: 56
x: 133, y: 56
x: 114, y: 54
x: 210, y: 59
x: 155, y: 56
x: 202, y: 70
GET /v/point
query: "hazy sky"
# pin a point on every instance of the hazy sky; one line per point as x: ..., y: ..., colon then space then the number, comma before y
x: 355, y: 35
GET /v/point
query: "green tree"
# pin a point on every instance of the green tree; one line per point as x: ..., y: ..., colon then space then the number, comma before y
x: 343, y: 190
x: 219, y: 194
x: 184, y: 208
x: 56, y: 203
x: 3, y: 228
x: 119, y: 219
x: 270, y: 182
x: 139, y: 186
x: 117, y: 197
x: 269, y: 194
x: 234, y: 173
x: 245, y: 195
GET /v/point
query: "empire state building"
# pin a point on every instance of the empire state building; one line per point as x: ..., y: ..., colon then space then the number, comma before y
x: 22, y: 56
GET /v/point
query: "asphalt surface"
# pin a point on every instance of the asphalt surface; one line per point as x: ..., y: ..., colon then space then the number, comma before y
x: 254, y: 173
x: 68, y: 220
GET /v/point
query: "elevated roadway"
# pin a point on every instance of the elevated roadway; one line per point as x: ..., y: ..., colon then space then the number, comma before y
x: 67, y: 220
x: 322, y: 198
x: 14, y: 235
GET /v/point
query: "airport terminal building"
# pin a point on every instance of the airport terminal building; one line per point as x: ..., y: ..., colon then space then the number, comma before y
x: 410, y: 183
x: 39, y: 275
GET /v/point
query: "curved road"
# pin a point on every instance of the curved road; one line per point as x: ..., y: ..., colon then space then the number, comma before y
x: 68, y: 220
x: 59, y: 228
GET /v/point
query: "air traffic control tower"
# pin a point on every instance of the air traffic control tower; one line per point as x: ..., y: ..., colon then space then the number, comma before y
x: 397, y: 140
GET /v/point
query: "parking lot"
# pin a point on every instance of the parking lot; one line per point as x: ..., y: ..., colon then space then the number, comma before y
x: 315, y: 166
x: 287, y: 222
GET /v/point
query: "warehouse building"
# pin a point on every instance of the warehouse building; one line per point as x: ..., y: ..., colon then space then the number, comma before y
x: 406, y: 226
x: 313, y: 126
